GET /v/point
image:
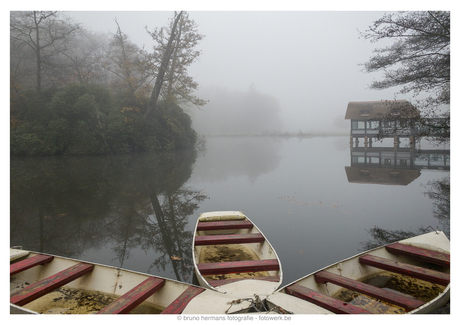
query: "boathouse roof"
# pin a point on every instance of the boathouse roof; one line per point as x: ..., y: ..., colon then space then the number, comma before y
x: 377, y: 109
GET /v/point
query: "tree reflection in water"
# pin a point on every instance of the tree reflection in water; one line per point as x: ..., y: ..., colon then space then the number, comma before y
x: 382, y: 236
x: 439, y: 192
x: 66, y: 206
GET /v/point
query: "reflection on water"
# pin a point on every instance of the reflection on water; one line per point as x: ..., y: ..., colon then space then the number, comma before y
x: 439, y: 193
x: 394, y: 166
x: 380, y: 237
x: 139, y: 211
x: 401, y: 165
x: 229, y: 157
x: 65, y: 206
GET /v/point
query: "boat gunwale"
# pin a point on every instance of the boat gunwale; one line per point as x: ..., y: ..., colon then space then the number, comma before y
x: 114, y: 268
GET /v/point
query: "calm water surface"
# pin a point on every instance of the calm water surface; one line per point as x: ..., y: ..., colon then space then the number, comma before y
x: 310, y: 197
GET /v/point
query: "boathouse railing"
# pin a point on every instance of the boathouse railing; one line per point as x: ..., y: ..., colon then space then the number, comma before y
x: 401, y: 128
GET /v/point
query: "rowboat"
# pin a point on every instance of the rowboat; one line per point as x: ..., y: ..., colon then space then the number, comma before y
x: 410, y: 276
x: 48, y: 284
x: 231, y: 255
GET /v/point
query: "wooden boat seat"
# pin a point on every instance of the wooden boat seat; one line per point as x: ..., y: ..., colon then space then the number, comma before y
x: 223, y: 225
x: 178, y: 305
x: 41, y: 288
x: 134, y: 297
x: 406, y: 269
x: 29, y: 263
x: 385, y: 295
x: 238, y: 267
x: 216, y: 283
x: 228, y: 239
x: 332, y: 304
x: 421, y: 254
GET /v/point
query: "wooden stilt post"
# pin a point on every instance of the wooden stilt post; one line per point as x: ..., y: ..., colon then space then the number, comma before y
x: 412, y: 143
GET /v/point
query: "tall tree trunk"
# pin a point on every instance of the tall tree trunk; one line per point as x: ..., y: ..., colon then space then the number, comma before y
x: 163, y: 66
x: 38, y: 54
x: 125, y: 64
x: 173, y: 64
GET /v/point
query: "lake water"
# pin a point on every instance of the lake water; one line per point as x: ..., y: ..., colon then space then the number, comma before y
x: 314, y: 199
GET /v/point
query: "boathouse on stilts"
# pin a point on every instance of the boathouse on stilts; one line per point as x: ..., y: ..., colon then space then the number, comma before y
x: 383, y: 138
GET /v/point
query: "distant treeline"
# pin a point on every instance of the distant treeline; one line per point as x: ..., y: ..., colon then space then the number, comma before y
x: 299, y: 134
x: 74, y: 92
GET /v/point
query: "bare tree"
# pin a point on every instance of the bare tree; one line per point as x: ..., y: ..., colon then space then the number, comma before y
x: 82, y: 61
x: 418, y: 61
x: 130, y: 66
x: 44, y: 33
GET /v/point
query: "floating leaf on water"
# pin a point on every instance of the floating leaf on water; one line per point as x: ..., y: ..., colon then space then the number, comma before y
x: 175, y: 258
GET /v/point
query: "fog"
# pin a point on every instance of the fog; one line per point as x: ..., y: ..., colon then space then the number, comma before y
x: 306, y: 62
x: 236, y: 112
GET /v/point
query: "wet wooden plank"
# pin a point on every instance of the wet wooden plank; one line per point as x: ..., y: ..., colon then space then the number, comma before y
x: 41, y: 288
x: 178, y: 305
x: 406, y: 269
x: 385, y: 295
x: 238, y: 266
x: 222, y: 225
x: 334, y: 305
x: 216, y: 283
x: 134, y: 297
x: 29, y: 263
x: 421, y: 254
x: 228, y: 239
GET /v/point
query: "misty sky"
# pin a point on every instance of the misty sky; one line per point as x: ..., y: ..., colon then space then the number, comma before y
x: 306, y: 60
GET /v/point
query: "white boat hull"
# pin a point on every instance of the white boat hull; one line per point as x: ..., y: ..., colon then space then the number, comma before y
x: 351, y: 268
x: 259, y: 251
x: 106, y: 282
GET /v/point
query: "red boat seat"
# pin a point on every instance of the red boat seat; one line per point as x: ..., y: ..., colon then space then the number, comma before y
x: 228, y: 239
x: 216, y: 283
x: 41, y: 288
x: 222, y: 225
x: 178, y: 305
x: 385, y: 295
x: 238, y: 267
x: 134, y: 297
x: 332, y: 304
x: 421, y: 254
x: 406, y: 269
x: 29, y: 263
